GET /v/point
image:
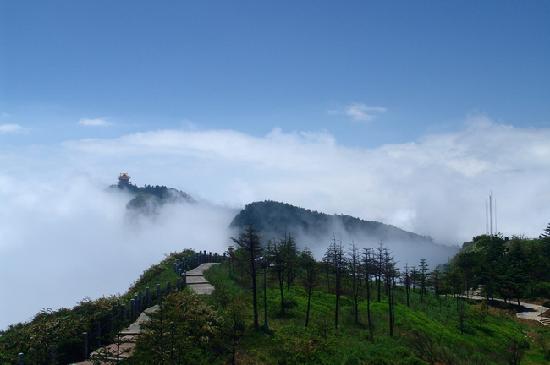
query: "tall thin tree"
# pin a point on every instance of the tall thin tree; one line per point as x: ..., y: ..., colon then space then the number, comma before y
x: 249, y: 241
x: 310, y: 267
x: 379, y: 266
x: 367, y: 262
x: 423, y: 278
x: 354, y: 261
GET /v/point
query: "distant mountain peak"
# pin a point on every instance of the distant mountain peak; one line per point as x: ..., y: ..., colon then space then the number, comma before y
x: 149, y: 198
x: 314, y: 229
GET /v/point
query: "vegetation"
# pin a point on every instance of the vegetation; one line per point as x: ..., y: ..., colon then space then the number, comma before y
x: 149, y: 198
x: 424, y: 333
x: 409, y: 324
x: 513, y: 268
x: 273, y: 220
x: 56, y: 337
x: 381, y: 315
x: 355, y: 306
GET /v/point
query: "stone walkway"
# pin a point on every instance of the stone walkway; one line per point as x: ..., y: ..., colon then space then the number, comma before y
x: 196, y: 281
x: 534, y: 312
x: 126, y: 341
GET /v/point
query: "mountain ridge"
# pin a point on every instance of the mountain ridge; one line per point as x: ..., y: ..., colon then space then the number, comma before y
x: 274, y: 219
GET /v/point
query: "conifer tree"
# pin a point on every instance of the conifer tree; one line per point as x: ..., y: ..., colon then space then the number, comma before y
x: 310, y: 267
x: 335, y: 255
x: 368, y: 263
x: 423, y: 278
x: 546, y: 232
x: 354, y: 269
x: 249, y: 241
x: 407, y: 284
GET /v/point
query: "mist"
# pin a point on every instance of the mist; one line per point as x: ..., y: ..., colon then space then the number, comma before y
x: 404, y: 250
x: 64, y: 237
x: 61, y: 242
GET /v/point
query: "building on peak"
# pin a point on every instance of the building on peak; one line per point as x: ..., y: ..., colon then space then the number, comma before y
x: 123, y: 180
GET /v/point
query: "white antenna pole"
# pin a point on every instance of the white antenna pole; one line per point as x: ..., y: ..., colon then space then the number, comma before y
x: 486, y: 217
x: 491, y: 212
x: 496, y: 226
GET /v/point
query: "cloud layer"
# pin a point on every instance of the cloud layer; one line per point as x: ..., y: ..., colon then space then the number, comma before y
x: 57, y: 220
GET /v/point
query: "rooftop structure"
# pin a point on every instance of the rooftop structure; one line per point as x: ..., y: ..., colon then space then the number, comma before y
x: 123, y: 179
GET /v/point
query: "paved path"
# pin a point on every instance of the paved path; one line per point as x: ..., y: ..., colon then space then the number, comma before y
x: 534, y: 312
x: 196, y: 281
x: 126, y: 343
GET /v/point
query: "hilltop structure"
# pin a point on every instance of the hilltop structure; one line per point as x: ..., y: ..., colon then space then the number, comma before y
x: 123, y: 180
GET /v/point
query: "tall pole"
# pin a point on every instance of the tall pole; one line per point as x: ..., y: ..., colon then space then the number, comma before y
x: 491, y: 213
x: 486, y: 217
x: 496, y: 226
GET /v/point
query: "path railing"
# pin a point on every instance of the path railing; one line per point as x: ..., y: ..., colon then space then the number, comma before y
x: 110, y: 327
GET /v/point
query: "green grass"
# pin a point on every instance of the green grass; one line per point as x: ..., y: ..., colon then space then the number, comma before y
x: 424, y: 333
x: 58, y: 334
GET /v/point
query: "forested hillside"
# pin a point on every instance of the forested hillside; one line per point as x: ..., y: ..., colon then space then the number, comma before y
x: 513, y: 268
x: 315, y: 230
x: 148, y: 199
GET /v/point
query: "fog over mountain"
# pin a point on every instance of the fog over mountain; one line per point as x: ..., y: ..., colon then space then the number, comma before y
x: 62, y: 242
x: 63, y: 236
x: 314, y: 230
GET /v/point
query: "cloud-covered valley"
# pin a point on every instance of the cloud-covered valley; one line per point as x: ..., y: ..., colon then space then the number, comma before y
x: 63, y: 236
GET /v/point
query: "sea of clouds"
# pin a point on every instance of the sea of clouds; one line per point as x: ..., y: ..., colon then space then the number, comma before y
x: 63, y: 236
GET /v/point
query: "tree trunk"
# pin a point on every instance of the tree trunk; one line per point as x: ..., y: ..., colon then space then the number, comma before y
x: 254, y: 291
x: 266, y: 325
x: 368, y: 310
x: 308, y: 305
x: 390, y: 307
x: 378, y: 283
x: 355, y: 299
x: 337, y: 309
x: 281, y: 290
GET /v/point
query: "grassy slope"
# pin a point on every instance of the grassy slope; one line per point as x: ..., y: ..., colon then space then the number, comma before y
x: 424, y: 332
x: 60, y: 330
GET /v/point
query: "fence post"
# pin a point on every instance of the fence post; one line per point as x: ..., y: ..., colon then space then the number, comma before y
x: 21, y: 358
x: 85, y: 338
x: 98, y: 333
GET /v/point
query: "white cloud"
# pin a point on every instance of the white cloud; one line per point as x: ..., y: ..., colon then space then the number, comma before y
x: 440, y: 181
x: 435, y: 185
x: 10, y: 128
x: 363, y: 113
x: 94, y: 122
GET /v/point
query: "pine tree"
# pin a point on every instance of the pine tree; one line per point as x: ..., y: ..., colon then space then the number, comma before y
x: 407, y: 283
x: 277, y: 258
x: 389, y: 278
x: 379, y: 267
x: 310, y: 267
x: 546, y: 232
x: 354, y: 268
x: 368, y: 262
x: 249, y: 241
x: 335, y: 255
x: 423, y: 278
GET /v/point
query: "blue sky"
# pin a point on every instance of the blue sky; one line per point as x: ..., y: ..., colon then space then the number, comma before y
x: 405, y: 112
x: 255, y: 65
